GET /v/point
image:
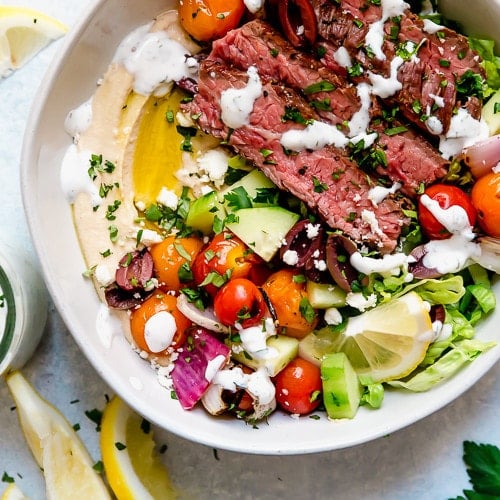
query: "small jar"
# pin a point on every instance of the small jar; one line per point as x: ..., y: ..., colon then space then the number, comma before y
x: 23, y: 307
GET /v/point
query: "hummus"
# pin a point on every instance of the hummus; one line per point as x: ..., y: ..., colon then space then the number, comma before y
x: 105, y: 215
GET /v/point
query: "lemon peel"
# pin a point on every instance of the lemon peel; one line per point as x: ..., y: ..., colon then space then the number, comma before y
x: 13, y: 492
x: 57, y: 449
x: 389, y: 341
x: 132, y: 467
x: 23, y: 33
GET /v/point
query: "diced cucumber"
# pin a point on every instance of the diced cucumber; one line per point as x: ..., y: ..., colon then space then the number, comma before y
x: 488, y: 113
x: 251, y: 182
x: 317, y: 344
x: 202, y: 212
x: 325, y: 295
x: 341, y: 387
x: 282, y: 350
x: 263, y: 228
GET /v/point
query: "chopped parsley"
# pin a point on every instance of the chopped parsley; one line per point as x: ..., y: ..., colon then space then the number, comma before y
x: 188, y: 133
x: 238, y: 198
x: 319, y: 187
x: 294, y: 115
x: 98, y: 166
x: 395, y: 130
x: 323, y: 86
x: 306, y: 310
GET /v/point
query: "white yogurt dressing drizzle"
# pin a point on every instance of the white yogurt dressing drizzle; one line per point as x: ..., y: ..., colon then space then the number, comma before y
x: 464, y: 131
x: 258, y: 383
x: 452, y: 254
x: 375, y: 36
x: 79, y: 119
x: 153, y: 58
x: 253, y: 339
x: 254, y: 5
x: 74, y: 177
x: 385, y: 87
x: 378, y: 194
x: 237, y: 104
x: 159, y: 331
x: 107, y: 326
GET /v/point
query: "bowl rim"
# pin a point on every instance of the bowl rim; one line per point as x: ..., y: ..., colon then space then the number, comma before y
x: 29, y: 161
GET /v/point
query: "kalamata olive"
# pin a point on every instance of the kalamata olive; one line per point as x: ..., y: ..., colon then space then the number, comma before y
x: 339, y: 248
x: 134, y: 270
x: 298, y: 240
x: 417, y: 267
x: 188, y: 84
x: 315, y: 268
x: 117, y: 298
x: 297, y: 19
x: 438, y: 313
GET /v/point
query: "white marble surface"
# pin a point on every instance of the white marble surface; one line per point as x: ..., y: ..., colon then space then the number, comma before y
x: 420, y: 462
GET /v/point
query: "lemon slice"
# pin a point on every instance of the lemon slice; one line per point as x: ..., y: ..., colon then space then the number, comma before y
x: 132, y: 467
x: 23, y: 33
x: 389, y: 341
x: 57, y: 449
x: 13, y: 492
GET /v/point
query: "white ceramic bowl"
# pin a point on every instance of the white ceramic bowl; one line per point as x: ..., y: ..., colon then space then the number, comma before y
x: 70, y: 81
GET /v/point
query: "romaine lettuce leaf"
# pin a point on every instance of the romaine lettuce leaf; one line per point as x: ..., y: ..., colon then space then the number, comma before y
x: 491, y: 62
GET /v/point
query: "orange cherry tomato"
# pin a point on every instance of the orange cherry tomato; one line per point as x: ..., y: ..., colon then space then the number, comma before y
x: 447, y: 196
x: 225, y: 256
x: 156, y: 303
x: 239, y: 301
x: 171, y: 265
x: 207, y: 20
x: 486, y: 198
x: 289, y: 298
x: 298, y: 387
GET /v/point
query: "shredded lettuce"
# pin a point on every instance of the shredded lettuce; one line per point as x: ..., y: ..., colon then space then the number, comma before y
x: 373, y: 392
x: 462, y: 353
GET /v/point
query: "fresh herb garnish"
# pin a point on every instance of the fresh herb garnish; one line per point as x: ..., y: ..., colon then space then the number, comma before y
x: 483, y: 468
x: 323, y: 86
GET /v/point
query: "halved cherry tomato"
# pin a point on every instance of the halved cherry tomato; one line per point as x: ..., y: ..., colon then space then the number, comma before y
x: 207, y: 20
x: 239, y: 301
x: 447, y: 196
x: 288, y: 296
x: 170, y: 256
x: 298, y: 387
x: 226, y: 256
x: 486, y: 198
x: 155, y: 304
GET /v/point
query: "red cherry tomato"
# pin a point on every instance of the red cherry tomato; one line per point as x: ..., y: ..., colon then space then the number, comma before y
x: 226, y: 256
x: 447, y: 196
x: 239, y: 301
x: 298, y: 387
x: 486, y: 198
x: 207, y: 20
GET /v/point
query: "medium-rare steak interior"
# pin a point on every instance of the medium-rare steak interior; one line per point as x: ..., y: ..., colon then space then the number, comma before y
x: 329, y: 123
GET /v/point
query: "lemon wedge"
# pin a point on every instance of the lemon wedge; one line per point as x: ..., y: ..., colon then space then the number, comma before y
x: 132, y: 467
x: 13, y: 492
x: 389, y: 341
x: 23, y: 33
x: 59, y: 452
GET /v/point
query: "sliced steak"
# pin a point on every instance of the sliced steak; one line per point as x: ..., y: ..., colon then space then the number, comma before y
x: 430, y: 79
x: 408, y: 158
x: 327, y: 180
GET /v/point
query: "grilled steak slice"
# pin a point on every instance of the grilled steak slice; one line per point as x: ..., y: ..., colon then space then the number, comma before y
x: 326, y: 179
x: 431, y: 79
x: 408, y: 157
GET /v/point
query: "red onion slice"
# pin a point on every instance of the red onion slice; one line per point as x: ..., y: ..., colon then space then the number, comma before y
x: 483, y: 156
